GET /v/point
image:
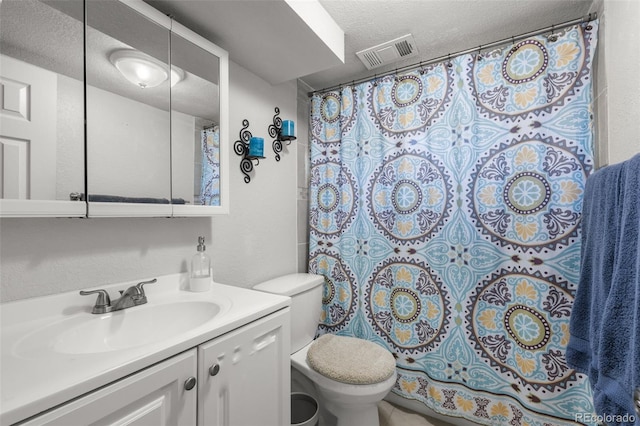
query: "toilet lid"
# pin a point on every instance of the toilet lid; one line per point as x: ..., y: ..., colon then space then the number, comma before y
x: 350, y: 360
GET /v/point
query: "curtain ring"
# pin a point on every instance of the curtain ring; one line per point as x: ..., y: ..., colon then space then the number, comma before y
x: 513, y: 44
x: 589, y: 27
x: 552, y: 37
x: 479, y: 57
x: 449, y: 64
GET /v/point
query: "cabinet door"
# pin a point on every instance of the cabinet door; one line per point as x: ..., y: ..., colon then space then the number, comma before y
x: 251, y: 384
x: 41, y: 108
x: 153, y: 397
x: 199, y: 123
x: 128, y: 110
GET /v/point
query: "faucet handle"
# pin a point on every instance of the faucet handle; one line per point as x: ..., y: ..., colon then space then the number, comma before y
x: 140, y: 286
x: 103, y: 302
x: 141, y: 297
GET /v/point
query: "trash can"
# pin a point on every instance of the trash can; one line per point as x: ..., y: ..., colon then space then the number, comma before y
x: 304, y: 409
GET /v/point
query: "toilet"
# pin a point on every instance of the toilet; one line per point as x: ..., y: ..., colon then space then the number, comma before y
x: 351, y: 375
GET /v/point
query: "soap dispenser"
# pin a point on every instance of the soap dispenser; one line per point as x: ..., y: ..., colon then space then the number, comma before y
x: 200, y: 276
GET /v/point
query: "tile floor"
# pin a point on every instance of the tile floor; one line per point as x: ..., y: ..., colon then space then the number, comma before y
x: 392, y: 415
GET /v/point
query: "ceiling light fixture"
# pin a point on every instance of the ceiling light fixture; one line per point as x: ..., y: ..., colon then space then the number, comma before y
x: 143, y: 70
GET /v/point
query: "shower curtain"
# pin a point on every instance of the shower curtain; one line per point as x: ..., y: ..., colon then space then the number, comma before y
x: 210, y: 171
x: 444, y: 213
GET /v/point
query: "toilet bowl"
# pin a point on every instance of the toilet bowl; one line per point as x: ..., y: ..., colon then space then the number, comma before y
x: 352, y: 404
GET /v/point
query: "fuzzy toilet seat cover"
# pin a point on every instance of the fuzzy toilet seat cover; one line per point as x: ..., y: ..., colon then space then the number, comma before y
x: 350, y: 360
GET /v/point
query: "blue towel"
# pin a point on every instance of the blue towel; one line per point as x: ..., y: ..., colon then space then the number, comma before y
x: 605, y: 320
x: 146, y: 200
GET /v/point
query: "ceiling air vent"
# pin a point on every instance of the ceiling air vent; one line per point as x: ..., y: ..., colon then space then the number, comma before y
x: 386, y: 53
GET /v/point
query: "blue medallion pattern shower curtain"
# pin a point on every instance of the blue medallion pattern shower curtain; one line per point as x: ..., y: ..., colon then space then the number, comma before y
x: 209, y: 187
x: 444, y: 213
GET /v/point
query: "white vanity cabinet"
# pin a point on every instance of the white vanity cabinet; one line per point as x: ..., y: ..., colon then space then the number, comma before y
x: 155, y: 396
x: 244, y: 376
x: 241, y: 378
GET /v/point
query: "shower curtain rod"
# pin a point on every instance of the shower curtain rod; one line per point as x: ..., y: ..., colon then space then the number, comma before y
x: 513, y: 39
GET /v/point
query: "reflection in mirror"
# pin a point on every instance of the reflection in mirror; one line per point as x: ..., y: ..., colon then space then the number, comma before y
x: 128, y: 106
x: 195, y: 120
x: 42, y: 109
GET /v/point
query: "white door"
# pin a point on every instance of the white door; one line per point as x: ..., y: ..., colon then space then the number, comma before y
x: 27, y: 131
x: 244, y: 377
x: 153, y: 397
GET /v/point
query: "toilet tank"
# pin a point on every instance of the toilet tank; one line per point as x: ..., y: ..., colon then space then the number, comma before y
x: 305, y: 291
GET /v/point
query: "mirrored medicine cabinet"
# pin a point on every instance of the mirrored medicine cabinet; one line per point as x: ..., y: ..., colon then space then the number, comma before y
x: 110, y: 108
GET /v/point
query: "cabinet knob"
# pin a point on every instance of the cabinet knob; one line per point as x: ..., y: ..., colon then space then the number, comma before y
x: 215, y: 369
x: 190, y: 383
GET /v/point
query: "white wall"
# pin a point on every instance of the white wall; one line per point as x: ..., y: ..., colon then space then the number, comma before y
x: 256, y: 241
x: 69, y: 138
x: 302, y: 133
x: 128, y: 150
x: 617, y: 88
x: 184, y: 137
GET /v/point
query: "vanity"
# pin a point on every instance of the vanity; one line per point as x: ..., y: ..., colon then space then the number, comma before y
x: 219, y: 357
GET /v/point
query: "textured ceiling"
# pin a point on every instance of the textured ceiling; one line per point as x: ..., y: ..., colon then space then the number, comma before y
x: 440, y: 27
x: 269, y: 37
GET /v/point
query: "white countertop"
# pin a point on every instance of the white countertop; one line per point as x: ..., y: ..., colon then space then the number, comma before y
x: 33, y: 382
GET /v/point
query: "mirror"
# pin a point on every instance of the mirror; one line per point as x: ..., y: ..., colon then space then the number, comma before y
x: 195, y: 125
x: 42, y: 113
x: 150, y: 124
x: 128, y: 110
x: 156, y: 132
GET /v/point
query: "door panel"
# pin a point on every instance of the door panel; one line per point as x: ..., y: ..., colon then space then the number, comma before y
x: 28, y: 131
x: 252, y: 383
x: 153, y: 397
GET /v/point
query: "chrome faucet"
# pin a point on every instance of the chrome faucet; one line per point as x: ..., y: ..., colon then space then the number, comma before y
x: 128, y: 298
x: 133, y: 296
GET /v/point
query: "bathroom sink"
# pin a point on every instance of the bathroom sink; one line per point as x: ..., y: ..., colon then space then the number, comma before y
x: 142, y: 325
